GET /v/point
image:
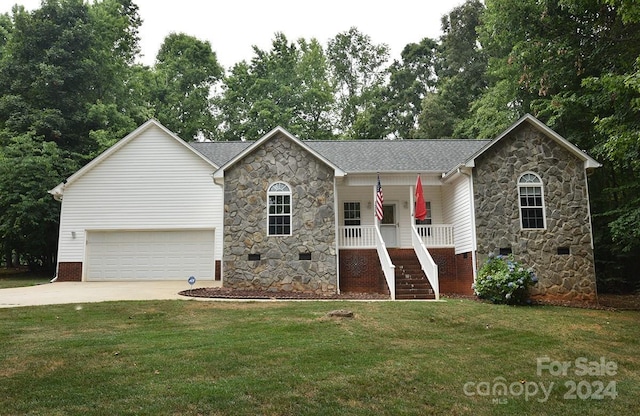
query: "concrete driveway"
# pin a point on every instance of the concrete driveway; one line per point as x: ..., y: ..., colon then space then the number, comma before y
x: 85, y: 292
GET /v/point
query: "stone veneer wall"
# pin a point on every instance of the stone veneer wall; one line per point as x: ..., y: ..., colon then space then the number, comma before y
x: 567, y: 216
x: 313, y: 222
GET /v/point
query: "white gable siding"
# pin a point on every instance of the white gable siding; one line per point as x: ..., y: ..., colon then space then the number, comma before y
x: 151, y: 183
x: 456, y: 197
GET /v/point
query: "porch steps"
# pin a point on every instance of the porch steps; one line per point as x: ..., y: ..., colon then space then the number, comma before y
x: 411, y: 282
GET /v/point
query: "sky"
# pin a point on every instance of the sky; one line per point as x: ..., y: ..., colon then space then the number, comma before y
x: 233, y: 26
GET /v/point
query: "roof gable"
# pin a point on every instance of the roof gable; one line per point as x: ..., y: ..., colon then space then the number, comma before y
x: 219, y: 174
x: 58, y: 191
x: 589, y: 162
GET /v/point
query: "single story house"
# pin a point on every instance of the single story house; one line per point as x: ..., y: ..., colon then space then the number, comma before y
x: 285, y: 214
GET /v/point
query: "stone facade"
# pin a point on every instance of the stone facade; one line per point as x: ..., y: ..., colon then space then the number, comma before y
x: 498, y: 224
x: 280, y: 267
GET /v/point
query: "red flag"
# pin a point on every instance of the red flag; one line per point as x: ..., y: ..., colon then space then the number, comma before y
x: 421, y: 207
x: 379, y: 201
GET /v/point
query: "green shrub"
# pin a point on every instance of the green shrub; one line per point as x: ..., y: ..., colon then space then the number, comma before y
x: 503, y: 280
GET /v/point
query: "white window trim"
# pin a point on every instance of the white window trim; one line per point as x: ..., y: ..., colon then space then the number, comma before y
x: 529, y: 185
x: 344, y: 213
x: 288, y: 192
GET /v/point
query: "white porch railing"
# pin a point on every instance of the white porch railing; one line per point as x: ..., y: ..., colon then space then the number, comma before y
x: 385, y: 261
x: 358, y: 236
x: 429, y: 267
x: 436, y: 235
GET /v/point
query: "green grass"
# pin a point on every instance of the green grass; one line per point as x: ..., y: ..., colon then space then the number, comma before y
x: 288, y: 358
x: 19, y: 278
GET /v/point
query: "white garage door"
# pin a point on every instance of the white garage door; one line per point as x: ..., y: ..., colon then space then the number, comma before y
x: 150, y: 255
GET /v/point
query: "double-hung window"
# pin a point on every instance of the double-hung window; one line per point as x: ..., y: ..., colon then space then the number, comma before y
x: 352, y: 218
x: 425, y: 231
x: 531, y: 201
x: 279, y: 209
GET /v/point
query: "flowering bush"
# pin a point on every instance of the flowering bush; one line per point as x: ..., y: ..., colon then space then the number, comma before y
x: 503, y: 280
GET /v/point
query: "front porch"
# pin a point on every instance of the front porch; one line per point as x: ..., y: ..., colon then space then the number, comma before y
x: 409, y: 273
x: 364, y: 243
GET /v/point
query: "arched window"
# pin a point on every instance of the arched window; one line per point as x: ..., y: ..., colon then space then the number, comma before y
x: 531, y: 201
x: 279, y: 209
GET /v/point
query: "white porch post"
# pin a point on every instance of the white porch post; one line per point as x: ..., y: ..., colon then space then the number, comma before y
x: 412, y: 204
x: 376, y: 221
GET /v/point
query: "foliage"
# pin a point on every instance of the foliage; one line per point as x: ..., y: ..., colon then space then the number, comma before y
x: 29, y: 216
x: 503, y: 280
x: 410, y: 80
x: 62, y: 84
x: 287, y: 86
x: 185, y: 73
x: 358, y: 72
x: 459, y: 64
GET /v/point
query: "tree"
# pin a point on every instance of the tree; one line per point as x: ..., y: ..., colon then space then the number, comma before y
x: 184, y: 75
x: 317, y: 94
x: 46, y: 73
x: 409, y: 82
x: 286, y: 86
x: 358, y: 73
x: 64, y: 90
x: 574, y: 64
x: 460, y: 65
x: 30, y: 216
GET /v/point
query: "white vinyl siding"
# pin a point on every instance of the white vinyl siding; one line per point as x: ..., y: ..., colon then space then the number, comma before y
x: 457, y: 200
x: 153, y: 182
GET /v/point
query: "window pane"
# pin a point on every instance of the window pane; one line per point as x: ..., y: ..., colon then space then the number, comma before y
x: 532, y: 218
x: 352, y: 213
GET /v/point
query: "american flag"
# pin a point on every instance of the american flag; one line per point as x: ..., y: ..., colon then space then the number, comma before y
x: 379, y: 201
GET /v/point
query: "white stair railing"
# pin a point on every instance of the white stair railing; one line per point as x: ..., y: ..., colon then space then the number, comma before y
x: 388, y: 268
x: 429, y: 267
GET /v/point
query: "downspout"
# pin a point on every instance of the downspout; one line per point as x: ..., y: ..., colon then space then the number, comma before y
x: 586, y: 184
x: 57, y: 195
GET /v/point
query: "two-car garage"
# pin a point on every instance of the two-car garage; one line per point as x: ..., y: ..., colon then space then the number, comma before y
x: 149, y: 255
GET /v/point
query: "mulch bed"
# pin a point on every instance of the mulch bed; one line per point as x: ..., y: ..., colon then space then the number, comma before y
x: 226, y: 293
x: 605, y: 301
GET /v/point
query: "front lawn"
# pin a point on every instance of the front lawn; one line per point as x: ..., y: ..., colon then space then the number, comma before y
x: 288, y: 358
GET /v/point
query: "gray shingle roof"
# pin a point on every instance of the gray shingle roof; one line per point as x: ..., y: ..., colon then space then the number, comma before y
x: 354, y: 156
x: 220, y: 152
x: 397, y: 155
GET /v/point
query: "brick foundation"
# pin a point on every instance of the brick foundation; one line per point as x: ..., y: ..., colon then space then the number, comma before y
x: 69, y: 272
x: 360, y: 272
x: 455, y: 271
x: 464, y: 264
